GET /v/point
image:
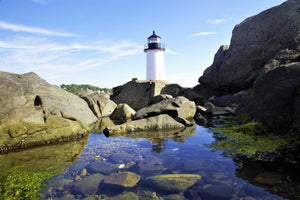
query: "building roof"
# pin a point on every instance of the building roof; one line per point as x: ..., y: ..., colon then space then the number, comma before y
x: 154, y: 36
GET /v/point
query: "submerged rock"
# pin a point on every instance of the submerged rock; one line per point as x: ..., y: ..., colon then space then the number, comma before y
x: 102, y: 167
x: 220, y: 191
x: 125, y: 179
x: 125, y: 196
x: 88, y: 185
x: 33, y: 112
x: 173, y: 182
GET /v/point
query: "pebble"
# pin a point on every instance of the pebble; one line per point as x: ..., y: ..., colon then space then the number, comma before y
x: 121, y: 166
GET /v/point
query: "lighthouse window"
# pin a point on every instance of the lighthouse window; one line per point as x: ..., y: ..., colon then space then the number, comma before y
x: 154, y: 40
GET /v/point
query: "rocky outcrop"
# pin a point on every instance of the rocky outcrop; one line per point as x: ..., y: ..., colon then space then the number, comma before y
x: 175, y: 107
x: 122, y: 113
x: 100, y: 104
x: 137, y: 93
x: 33, y: 112
x: 159, y: 122
x: 274, y: 99
x: 259, y: 44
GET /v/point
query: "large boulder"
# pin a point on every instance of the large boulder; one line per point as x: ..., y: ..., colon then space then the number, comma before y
x: 137, y: 93
x: 33, y: 112
x: 274, y: 99
x: 176, y: 107
x: 100, y: 104
x: 149, y: 124
x: 259, y: 44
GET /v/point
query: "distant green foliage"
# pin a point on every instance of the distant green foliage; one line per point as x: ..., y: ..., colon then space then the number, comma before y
x: 245, y: 140
x: 19, y: 183
x: 76, y: 88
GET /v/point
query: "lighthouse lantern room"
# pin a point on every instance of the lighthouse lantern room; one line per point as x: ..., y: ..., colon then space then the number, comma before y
x: 155, y: 62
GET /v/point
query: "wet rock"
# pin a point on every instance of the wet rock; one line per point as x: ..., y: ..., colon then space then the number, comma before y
x: 200, y: 120
x: 150, y: 166
x: 173, y: 182
x: 268, y: 178
x: 102, y: 167
x: 122, y: 113
x: 153, y: 123
x: 175, y: 197
x: 88, y: 185
x: 125, y: 196
x: 101, y: 124
x: 145, y: 193
x: 159, y: 98
x: 220, y: 192
x: 193, y: 165
x: 184, y: 121
x: 125, y: 179
x: 176, y: 107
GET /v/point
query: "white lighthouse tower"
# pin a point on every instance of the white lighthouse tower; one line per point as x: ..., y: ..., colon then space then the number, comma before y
x: 155, y: 62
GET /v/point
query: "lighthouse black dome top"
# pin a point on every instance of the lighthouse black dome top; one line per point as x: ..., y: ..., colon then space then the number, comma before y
x: 154, y: 42
x: 154, y: 35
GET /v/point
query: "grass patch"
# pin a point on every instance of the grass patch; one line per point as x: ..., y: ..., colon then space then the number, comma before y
x: 239, y: 138
x: 23, y: 183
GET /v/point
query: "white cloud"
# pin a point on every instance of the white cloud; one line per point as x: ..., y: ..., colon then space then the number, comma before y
x: 203, y: 33
x: 172, y: 52
x: 34, y: 30
x: 51, y: 60
x: 216, y: 21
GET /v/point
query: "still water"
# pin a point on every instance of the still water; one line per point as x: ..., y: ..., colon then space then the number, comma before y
x: 161, y: 165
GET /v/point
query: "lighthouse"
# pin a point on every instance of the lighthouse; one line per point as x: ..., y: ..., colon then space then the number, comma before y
x: 155, y: 62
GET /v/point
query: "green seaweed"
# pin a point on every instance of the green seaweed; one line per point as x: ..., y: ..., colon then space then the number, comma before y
x: 23, y: 182
x: 245, y: 139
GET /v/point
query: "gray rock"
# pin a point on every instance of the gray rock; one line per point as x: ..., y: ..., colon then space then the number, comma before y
x: 125, y: 196
x: 184, y: 121
x: 88, y: 185
x: 200, y: 120
x: 153, y: 123
x: 159, y: 98
x: 33, y: 112
x: 123, y: 112
x: 259, y: 44
x: 274, y: 99
x: 137, y: 93
x: 102, y: 167
x: 100, y: 104
x: 173, y: 182
x: 176, y: 107
x: 220, y: 191
x: 124, y: 179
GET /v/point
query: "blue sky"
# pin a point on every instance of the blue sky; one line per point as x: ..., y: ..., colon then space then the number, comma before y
x: 100, y: 42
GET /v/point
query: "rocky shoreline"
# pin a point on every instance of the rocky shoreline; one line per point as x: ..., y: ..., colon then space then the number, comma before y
x: 257, y: 76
